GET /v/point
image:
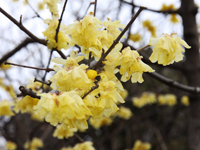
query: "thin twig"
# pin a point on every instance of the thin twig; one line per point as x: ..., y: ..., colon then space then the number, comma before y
x: 140, y: 49
x: 41, y: 41
x: 95, y: 7
x: 37, y: 68
x: 119, y: 37
x: 152, y: 10
x: 160, y: 138
x: 16, y: 49
x: 59, y: 21
x: 79, y: 138
x: 47, y: 83
x: 43, y: 79
x: 92, y: 89
x: 34, y: 10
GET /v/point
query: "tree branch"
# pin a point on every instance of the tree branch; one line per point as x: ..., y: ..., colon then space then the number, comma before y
x: 16, y: 49
x: 37, y: 68
x: 25, y: 91
x: 152, y: 10
x: 173, y: 83
x: 41, y: 41
x: 58, y: 28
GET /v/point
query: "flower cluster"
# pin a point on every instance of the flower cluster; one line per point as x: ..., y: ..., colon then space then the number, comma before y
x: 167, y: 49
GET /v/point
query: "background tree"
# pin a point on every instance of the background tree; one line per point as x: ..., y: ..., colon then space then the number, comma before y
x: 163, y: 126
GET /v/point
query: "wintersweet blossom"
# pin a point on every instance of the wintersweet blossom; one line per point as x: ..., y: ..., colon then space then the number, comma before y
x: 63, y: 41
x: 5, y: 109
x: 25, y: 105
x: 167, y: 99
x: 67, y: 108
x: 72, y: 78
x: 61, y: 132
x: 124, y: 113
x: 84, y: 146
x: 97, y: 123
x: 132, y: 65
x: 52, y: 6
x: 80, y: 146
x: 34, y: 144
x: 141, y: 146
x: 113, y: 27
x: 167, y: 49
x: 185, y: 100
x: 11, y: 145
x: 109, y: 96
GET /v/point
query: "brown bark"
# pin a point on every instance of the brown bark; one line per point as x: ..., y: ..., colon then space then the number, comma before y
x: 188, y: 12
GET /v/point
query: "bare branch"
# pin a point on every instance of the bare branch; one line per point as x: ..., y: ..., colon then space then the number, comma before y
x: 19, y: 24
x: 152, y: 10
x: 16, y: 49
x: 37, y: 68
x: 25, y: 91
x: 173, y: 83
x: 58, y: 28
x: 95, y: 7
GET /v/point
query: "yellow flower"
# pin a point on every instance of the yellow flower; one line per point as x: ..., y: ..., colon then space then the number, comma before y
x: 144, y: 99
x: 63, y: 41
x: 167, y: 7
x: 10, y: 90
x: 173, y: 18
x: 141, y: 146
x: 84, y: 146
x: 135, y: 37
x: 71, y: 61
x: 5, y: 67
x: 67, y: 108
x: 185, y: 100
x: 61, y: 132
x: 11, y: 146
x: 52, y: 6
x: 91, y: 74
x: 72, y: 78
x: 5, y: 109
x: 34, y: 144
x: 132, y: 65
x: 109, y: 96
x: 168, y: 99
x: 124, y: 113
x: 25, y: 105
x: 40, y: 6
x: 85, y: 33
x: 167, y: 49
x: 113, y: 27
x: 97, y: 123
x: 148, y: 24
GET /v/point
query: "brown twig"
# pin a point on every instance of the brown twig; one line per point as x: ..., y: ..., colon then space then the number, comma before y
x: 16, y: 49
x: 43, y: 79
x: 47, y: 83
x: 95, y: 7
x: 37, y: 68
x: 34, y: 10
x: 173, y: 83
x: 25, y: 91
x: 79, y: 138
x: 92, y: 89
x: 140, y: 49
x: 118, y: 38
x: 152, y: 10
x: 41, y: 41
x: 59, y: 21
